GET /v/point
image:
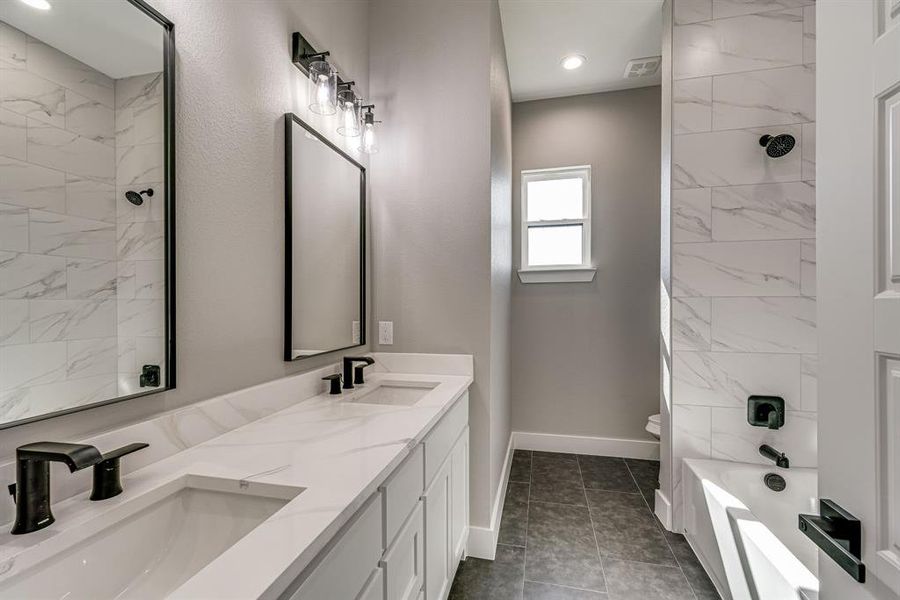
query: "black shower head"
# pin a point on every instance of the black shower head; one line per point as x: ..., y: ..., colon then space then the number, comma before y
x: 777, y: 145
x: 136, y: 197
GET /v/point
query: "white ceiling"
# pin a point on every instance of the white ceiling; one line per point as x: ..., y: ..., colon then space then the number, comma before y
x: 538, y: 33
x: 111, y: 36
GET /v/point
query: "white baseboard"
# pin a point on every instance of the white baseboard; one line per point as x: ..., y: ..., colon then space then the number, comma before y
x: 579, y: 444
x: 662, y: 508
x: 483, y: 540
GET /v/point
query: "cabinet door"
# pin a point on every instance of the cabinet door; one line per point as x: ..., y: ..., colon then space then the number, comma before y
x: 437, y: 535
x: 374, y: 589
x: 346, y: 568
x: 459, y: 499
x: 404, y: 561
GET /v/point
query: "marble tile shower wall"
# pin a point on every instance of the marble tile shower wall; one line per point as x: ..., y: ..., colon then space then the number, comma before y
x: 743, y: 260
x: 140, y: 229
x: 61, y: 237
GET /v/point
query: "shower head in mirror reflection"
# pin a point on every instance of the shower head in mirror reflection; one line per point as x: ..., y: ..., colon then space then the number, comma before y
x: 777, y: 145
x: 137, y: 198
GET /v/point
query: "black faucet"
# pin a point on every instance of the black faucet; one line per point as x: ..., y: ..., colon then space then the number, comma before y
x: 32, y: 488
x: 774, y: 455
x: 348, y: 369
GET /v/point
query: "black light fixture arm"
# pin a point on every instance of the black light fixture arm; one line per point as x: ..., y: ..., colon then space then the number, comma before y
x: 303, y: 54
x: 311, y: 56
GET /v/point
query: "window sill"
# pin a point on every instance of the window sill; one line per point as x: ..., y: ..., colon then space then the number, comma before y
x: 558, y: 275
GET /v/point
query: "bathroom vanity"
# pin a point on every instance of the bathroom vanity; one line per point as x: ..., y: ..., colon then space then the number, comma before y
x: 277, y: 491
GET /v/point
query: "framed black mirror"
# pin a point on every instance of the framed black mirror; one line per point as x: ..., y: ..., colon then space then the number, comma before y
x: 325, y: 244
x: 87, y: 196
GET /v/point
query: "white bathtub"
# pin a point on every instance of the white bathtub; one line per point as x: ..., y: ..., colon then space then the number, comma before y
x: 745, y: 534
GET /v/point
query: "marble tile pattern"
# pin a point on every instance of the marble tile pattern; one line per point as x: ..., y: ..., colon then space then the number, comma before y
x: 68, y: 136
x: 140, y: 233
x: 743, y: 227
x: 608, y: 544
x: 338, y: 452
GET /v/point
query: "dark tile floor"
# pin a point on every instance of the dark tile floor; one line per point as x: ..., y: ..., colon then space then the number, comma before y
x: 580, y: 528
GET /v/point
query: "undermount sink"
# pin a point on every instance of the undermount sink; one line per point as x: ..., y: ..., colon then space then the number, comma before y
x: 149, y: 546
x: 395, y: 393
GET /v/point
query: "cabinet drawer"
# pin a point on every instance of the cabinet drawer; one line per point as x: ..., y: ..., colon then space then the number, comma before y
x: 441, y: 439
x: 346, y: 568
x: 401, y: 492
x: 403, y: 562
x: 374, y: 589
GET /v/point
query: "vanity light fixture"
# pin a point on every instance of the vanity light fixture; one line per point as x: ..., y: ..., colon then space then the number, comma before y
x: 349, y: 105
x: 572, y: 61
x: 330, y: 94
x: 38, y: 4
x: 368, y: 142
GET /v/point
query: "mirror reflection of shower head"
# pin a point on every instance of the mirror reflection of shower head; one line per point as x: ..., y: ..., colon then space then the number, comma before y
x: 135, y: 197
x: 777, y: 145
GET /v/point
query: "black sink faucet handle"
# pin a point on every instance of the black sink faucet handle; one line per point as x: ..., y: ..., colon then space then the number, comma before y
x: 348, y: 368
x: 108, y: 474
x: 334, y: 382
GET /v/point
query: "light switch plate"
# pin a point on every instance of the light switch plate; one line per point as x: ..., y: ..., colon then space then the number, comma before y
x: 386, y: 332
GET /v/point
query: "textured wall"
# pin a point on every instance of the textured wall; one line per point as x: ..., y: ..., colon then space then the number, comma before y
x: 501, y: 248
x: 743, y: 226
x: 432, y: 201
x: 585, y: 355
x: 230, y: 101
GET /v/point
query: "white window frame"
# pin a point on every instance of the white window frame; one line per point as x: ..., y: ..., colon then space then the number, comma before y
x: 583, y: 272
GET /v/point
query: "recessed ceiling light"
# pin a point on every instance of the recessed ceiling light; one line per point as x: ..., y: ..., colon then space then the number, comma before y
x: 38, y: 4
x: 572, y: 61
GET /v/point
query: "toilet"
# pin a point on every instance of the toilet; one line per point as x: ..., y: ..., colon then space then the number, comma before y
x: 653, y: 424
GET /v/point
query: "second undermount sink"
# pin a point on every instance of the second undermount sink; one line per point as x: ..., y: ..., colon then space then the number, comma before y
x: 149, y: 546
x: 395, y: 393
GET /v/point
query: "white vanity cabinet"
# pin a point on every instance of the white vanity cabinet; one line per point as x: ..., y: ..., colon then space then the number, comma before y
x: 407, y: 540
x: 446, y: 499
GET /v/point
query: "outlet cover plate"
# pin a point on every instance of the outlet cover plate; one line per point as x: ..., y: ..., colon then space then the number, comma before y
x: 386, y: 332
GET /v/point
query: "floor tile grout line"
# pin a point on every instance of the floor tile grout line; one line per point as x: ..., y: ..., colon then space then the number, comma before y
x: 665, y: 539
x: 568, y: 587
x: 593, y: 530
x: 558, y: 503
x: 527, y: 511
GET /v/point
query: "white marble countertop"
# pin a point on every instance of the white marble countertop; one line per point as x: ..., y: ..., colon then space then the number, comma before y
x: 338, y: 451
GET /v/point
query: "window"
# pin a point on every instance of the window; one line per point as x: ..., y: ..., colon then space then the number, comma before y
x: 556, y: 225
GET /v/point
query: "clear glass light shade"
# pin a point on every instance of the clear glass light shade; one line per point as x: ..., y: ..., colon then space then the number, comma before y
x: 349, y: 104
x: 322, y: 88
x: 368, y: 142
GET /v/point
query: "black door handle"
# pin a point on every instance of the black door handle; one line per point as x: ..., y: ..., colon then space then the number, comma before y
x: 839, y: 535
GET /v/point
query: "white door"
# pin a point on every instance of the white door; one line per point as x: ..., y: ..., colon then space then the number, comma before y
x: 858, y: 204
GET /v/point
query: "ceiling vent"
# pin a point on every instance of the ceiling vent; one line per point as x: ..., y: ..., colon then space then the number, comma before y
x: 642, y: 67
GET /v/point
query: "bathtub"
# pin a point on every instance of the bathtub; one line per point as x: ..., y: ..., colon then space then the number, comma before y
x: 745, y: 534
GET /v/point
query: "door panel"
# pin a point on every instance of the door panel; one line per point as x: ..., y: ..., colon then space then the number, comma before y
x: 437, y: 535
x: 858, y: 245
x: 459, y: 499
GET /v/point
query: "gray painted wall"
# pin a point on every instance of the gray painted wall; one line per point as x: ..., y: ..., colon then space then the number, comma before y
x: 230, y: 102
x: 432, y: 205
x: 585, y: 356
x: 501, y: 247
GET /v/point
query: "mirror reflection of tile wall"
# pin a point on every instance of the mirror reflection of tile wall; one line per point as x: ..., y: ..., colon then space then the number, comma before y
x: 81, y: 269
